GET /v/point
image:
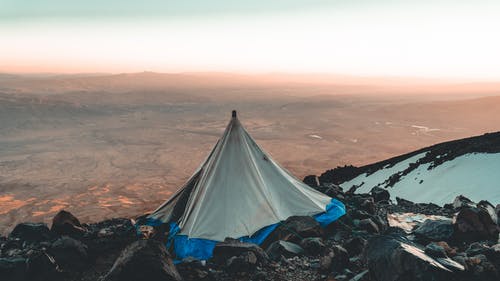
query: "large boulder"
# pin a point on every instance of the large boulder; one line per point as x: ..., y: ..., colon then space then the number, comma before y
x: 434, y: 231
x: 32, y: 232
x: 64, y: 223
x: 223, y: 251
x: 143, y: 260
x: 69, y: 253
x: 393, y: 259
x: 475, y: 224
x: 294, y: 229
x: 283, y: 248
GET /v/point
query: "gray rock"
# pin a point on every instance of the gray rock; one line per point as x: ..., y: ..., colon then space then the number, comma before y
x: 32, y: 232
x: 70, y: 254
x: 313, y: 246
x: 223, y: 251
x: 390, y: 259
x: 435, y: 251
x: 283, y: 248
x: 143, y: 260
x: 434, y: 231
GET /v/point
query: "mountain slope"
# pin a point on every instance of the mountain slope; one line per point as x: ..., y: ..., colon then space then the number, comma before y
x: 434, y: 174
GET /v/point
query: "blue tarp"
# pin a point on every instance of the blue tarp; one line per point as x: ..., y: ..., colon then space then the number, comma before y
x: 202, y: 248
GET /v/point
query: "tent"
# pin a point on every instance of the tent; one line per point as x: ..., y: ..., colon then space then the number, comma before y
x: 240, y: 192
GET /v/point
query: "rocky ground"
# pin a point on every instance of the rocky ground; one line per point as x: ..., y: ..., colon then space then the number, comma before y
x: 376, y: 240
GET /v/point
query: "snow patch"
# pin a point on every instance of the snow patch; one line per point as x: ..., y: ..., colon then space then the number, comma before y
x: 380, y: 176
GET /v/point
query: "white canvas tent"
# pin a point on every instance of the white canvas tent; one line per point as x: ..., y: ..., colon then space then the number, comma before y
x: 237, y: 191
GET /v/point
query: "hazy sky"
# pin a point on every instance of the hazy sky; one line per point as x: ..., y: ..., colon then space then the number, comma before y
x: 429, y: 38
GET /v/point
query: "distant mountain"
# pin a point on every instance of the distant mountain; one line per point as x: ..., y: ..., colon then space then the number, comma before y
x: 436, y: 174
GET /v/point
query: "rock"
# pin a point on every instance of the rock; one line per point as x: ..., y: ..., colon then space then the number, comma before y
x: 380, y: 194
x: 355, y: 246
x: 13, y: 269
x: 362, y: 276
x: 41, y: 266
x: 283, y: 248
x: 478, y: 248
x: 434, y: 230
x: 294, y: 229
x: 245, y: 262
x: 481, y: 269
x: 311, y: 180
x: 462, y: 202
x: 143, y: 260
x: 233, y: 248
x: 313, y: 245
x: 404, y: 203
x: 450, y: 252
x: 325, y: 262
x: 483, y: 204
x: 475, y: 224
x: 368, y: 205
x: 32, y: 232
x: 436, y: 251
x: 390, y: 259
x: 497, y: 210
x: 109, y: 235
x: 193, y: 269
x: 340, y: 258
x: 369, y: 226
x: 64, y: 223
x: 69, y: 253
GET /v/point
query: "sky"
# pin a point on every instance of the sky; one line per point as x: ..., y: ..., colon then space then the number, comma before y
x: 426, y: 38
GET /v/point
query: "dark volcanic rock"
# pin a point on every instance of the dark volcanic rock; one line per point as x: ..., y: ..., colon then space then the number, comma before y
x: 143, y: 260
x: 64, y: 223
x: 434, y: 250
x: 283, y: 248
x: 462, y: 202
x: 294, y: 229
x: 369, y: 226
x: 390, y: 259
x: 223, y: 251
x: 355, y: 246
x: 13, y: 269
x: 340, y: 258
x: 380, y: 194
x: 245, y: 262
x: 32, y: 232
x: 69, y: 253
x: 313, y: 245
x: 339, y: 175
x: 311, y: 180
x: 475, y: 224
x: 41, y: 266
x: 434, y: 230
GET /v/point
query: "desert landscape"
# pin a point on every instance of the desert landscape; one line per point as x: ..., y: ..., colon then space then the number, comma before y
x: 103, y: 145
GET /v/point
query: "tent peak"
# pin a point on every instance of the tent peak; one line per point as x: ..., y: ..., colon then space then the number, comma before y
x: 233, y: 114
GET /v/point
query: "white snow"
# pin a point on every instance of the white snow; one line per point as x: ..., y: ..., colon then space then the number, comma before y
x: 474, y: 175
x: 380, y: 176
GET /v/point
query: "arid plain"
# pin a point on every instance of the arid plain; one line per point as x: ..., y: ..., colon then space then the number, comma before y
x: 105, y: 146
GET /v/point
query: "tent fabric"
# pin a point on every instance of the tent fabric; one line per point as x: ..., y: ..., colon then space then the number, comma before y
x: 237, y: 191
x: 202, y: 249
